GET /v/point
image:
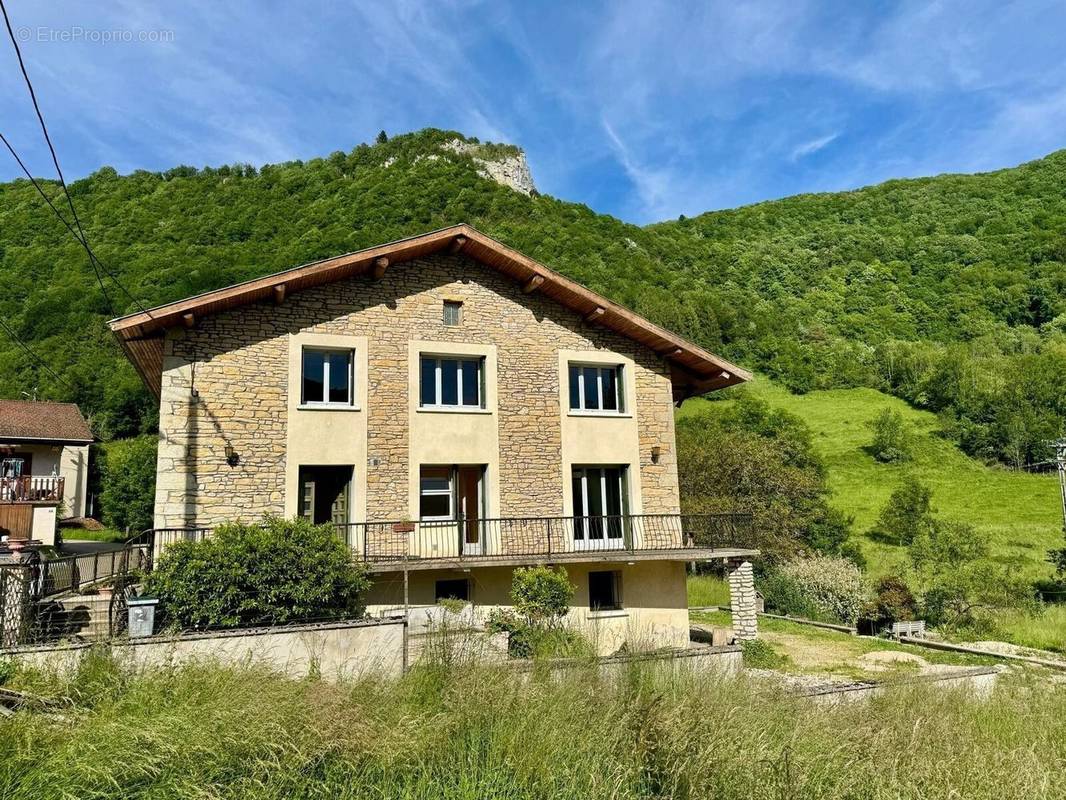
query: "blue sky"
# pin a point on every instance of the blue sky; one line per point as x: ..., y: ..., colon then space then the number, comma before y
x: 642, y: 109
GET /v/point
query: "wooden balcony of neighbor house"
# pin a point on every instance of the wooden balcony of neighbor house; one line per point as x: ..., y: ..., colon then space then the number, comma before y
x: 443, y: 544
x: 39, y: 489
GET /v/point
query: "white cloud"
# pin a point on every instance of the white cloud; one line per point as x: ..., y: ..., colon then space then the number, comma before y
x: 813, y: 146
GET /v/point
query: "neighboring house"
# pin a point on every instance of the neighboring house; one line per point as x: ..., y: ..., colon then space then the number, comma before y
x: 44, y: 467
x: 457, y: 410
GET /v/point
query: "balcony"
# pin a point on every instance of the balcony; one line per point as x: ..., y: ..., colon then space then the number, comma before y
x: 509, y: 542
x: 394, y: 546
x: 44, y: 489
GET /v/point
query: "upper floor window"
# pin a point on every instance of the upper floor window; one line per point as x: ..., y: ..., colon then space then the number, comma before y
x: 451, y: 382
x: 597, y: 388
x: 327, y: 377
x: 453, y: 312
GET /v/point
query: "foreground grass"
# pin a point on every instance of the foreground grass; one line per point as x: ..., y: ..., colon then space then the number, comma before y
x: 483, y: 732
x: 84, y: 535
x: 1019, y: 513
x: 707, y: 590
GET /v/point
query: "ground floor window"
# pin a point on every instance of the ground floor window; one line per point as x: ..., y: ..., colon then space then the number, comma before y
x: 324, y: 494
x: 452, y: 589
x: 605, y: 590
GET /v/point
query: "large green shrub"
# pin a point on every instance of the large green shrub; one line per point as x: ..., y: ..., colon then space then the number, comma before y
x: 892, y: 439
x: 831, y: 587
x: 540, y: 597
x: 270, y: 572
x: 126, y: 474
x: 908, y: 514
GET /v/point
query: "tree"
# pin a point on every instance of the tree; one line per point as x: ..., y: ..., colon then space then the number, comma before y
x: 381, y: 138
x: 745, y: 456
x: 908, y: 513
x: 126, y: 475
x: 892, y: 440
x: 270, y: 572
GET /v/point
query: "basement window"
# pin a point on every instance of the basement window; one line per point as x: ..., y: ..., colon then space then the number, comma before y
x: 453, y: 312
x: 605, y: 590
x: 452, y: 589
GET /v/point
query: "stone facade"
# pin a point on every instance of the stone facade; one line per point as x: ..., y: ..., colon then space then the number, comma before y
x: 226, y: 381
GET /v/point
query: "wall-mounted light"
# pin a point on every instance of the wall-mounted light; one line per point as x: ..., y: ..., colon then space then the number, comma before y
x: 655, y: 453
x: 232, y: 457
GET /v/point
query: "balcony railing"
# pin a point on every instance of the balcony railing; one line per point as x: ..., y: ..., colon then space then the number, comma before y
x: 511, y: 538
x: 31, y: 489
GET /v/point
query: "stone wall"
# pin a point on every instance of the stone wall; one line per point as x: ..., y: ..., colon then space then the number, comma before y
x: 225, y: 387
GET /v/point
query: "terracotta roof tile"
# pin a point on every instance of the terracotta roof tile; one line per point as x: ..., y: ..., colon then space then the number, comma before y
x: 24, y: 419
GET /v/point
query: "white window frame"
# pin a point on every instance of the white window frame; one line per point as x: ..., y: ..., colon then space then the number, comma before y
x: 325, y: 402
x: 438, y: 386
x: 621, y: 407
x: 586, y: 542
x: 449, y: 492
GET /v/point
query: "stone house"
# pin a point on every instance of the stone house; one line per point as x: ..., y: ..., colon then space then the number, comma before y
x: 44, y: 467
x: 456, y: 410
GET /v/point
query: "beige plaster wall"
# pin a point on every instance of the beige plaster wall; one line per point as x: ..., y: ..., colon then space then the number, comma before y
x: 654, y: 600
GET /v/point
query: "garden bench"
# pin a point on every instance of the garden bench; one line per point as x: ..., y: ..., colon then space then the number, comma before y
x: 915, y: 628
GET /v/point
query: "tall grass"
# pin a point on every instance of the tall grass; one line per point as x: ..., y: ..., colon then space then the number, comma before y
x: 476, y: 731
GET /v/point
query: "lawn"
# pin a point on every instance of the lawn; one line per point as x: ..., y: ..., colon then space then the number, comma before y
x: 480, y: 731
x: 1018, y: 512
x: 85, y: 535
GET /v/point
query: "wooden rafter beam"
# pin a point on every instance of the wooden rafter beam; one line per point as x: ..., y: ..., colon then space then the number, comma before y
x: 188, y: 320
x: 457, y: 244
x: 279, y: 294
x: 380, y: 265
x: 532, y: 284
x: 595, y: 314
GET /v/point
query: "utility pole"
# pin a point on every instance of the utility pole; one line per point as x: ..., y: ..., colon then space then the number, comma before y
x: 1060, y: 461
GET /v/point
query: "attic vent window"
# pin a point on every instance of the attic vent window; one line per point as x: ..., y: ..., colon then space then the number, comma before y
x: 453, y: 312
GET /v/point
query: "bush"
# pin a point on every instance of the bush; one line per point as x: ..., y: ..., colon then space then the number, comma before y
x: 892, y: 439
x: 826, y: 587
x: 271, y: 572
x: 908, y: 513
x: 126, y: 470
x: 893, y: 602
x: 541, y: 598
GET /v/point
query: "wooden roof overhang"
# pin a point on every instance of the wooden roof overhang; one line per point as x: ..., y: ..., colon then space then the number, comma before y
x: 694, y: 370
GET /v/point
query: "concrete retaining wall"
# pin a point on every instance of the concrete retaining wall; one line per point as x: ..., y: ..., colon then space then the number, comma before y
x: 335, y: 650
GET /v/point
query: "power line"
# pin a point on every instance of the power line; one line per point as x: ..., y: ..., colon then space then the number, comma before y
x: 97, y: 266
x: 33, y: 355
x: 62, y: 219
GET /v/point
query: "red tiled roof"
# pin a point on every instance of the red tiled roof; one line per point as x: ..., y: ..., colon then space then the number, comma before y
x: 57, y: 422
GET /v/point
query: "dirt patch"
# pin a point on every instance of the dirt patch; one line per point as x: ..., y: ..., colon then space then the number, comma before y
x: 885, y: 660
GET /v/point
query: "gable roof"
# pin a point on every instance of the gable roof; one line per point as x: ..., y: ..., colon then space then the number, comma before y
x: 693, y: 369
x: 41, y: 421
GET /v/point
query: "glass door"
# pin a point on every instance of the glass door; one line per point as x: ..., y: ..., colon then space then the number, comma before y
x: 600, y: 507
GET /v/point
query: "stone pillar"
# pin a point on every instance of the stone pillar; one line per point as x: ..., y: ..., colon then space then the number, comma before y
x: 742, y: 599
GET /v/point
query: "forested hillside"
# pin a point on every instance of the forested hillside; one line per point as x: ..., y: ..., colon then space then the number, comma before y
x: 949, y: 292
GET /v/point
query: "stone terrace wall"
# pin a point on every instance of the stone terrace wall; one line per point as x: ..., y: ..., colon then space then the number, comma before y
x: 226, y: 382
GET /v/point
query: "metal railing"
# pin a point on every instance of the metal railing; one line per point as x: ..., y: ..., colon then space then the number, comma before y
x: 377, y: 542
x: 516, y: 537
x: 31, y: 489
x: 70, y: 573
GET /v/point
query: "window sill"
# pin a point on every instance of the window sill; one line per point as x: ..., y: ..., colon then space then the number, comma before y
x: 602, y: 414
x: 327, y: 407
x: 607, y: 613
x: 452, y: 410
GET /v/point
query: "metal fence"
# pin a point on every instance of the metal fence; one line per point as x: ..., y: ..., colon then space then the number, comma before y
x: 516, y: 537
x: 73, y: 597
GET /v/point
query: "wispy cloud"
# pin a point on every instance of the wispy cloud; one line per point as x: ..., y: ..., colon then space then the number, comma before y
x: 811, y: 147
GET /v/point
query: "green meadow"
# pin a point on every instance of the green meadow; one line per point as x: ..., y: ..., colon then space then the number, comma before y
x: 1018, y: 512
